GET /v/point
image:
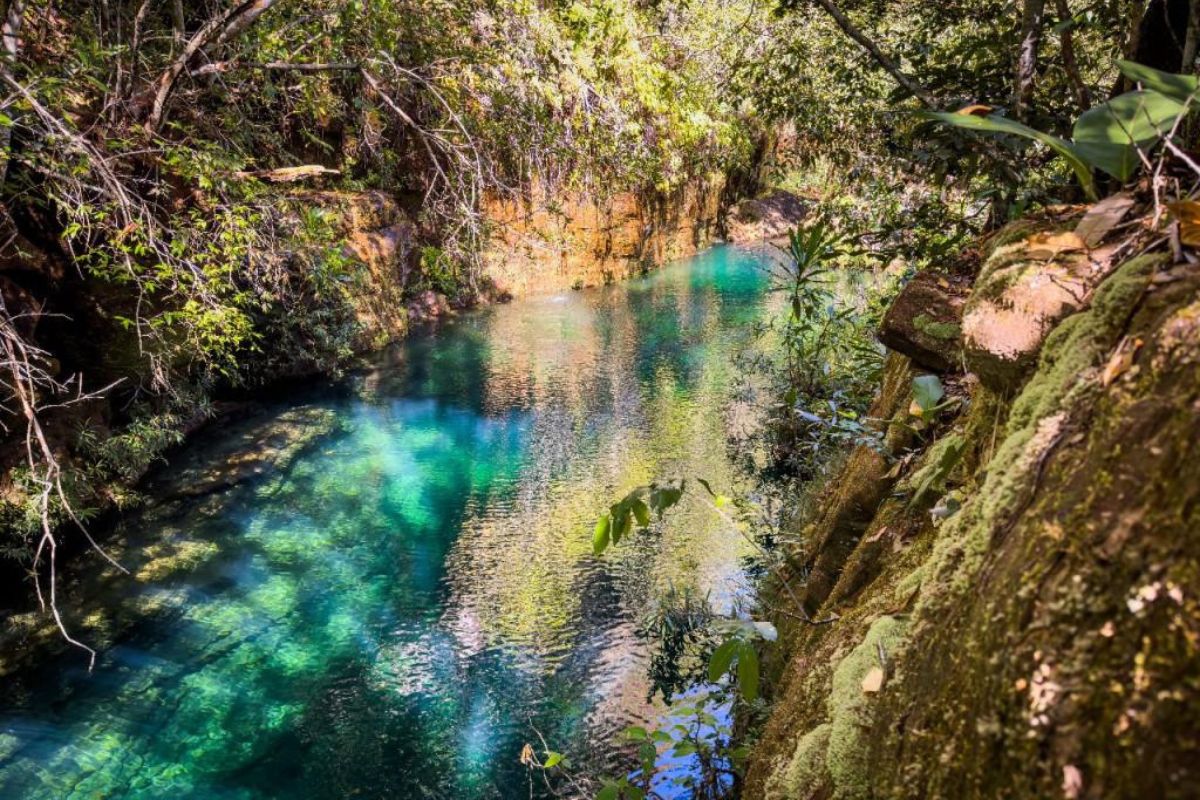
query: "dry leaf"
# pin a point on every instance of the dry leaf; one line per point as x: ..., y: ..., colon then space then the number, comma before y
x: 1102, y: 218
x: 1049, y: 245
x: 1121, y: 361
x: 873, y: 682
x: 975, y: 110
x: 1188, y: 214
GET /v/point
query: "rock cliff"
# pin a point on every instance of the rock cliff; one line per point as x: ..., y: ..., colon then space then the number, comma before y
x: 548, y: 245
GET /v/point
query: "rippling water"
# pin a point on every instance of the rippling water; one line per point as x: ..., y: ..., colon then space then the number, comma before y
x: 392, y: 611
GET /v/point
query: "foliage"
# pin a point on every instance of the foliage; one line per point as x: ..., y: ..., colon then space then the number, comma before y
x: 819, y: 376
x: 1112, y: 136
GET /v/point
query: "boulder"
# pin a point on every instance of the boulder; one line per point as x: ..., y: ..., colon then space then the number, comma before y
x: 1025, y: 288
x: 924, y: 322
x: 768, y: 218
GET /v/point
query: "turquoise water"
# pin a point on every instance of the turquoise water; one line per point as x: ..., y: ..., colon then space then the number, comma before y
x: 403, y: 594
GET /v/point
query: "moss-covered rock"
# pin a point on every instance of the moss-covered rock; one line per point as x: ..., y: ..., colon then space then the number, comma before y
x: 924, y: 322
x: 1052, y: 623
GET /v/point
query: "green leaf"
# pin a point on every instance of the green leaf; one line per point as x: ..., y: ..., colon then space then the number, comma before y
x: 747, y: 671
x: 641, y: 512
x: 992, y: 124
x: 927, y: 391
x: 1106, y: 135
x: 552, y: 760
x: 1180, y: 88
x: 621, y: 525
x: 634, y: 793
x: 600, y: 537
x: 636, y: 733
x: 609, y: 791
x: 721, y: 658
x: 684, y: 749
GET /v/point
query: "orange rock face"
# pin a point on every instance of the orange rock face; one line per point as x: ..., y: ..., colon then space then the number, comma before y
x: 552, y: 244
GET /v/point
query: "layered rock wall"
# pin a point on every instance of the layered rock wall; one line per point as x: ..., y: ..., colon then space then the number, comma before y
x: 548, y: 245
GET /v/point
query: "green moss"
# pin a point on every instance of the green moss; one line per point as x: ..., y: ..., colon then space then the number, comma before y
x: 946, y: 331
x: 836, y: 751
x: 1066, y: 373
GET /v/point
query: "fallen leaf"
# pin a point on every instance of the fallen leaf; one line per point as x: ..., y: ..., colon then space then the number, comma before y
x: 1188, y: 214
x: 1120, y: 361
x: 873, y: 682
x: 1102, y: 218
x: 1049, y: 245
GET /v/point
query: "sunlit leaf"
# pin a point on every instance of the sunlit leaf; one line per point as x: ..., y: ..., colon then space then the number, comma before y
x: 747, y: 671
x: 600, y: 537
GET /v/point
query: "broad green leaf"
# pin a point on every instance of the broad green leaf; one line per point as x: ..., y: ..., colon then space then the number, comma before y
x: 684, y: 749
x: 1106, y: 135
x: 609, y: 791
x: 600, y: 537
x: 747, y: 671
x: 993, y: 124
x: 636, y: 733
x: 1179, y: 88
x: 721, y: 658
x: 621, y: 525
x: 552, y: 760
x: 640, y: 512
x: 634, y: 793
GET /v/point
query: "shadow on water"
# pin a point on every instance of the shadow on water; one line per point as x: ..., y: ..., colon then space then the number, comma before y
x: 390, y: 609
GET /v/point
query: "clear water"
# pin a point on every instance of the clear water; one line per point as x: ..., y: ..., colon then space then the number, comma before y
x: 394, y: 611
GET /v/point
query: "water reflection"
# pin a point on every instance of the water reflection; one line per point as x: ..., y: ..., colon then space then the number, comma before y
x: 390, y: 612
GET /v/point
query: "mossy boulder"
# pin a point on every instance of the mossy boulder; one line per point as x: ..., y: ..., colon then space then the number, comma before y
x: 924, y: 322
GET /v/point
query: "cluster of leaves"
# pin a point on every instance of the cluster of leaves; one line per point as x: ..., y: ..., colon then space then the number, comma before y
x: 1114, y: 137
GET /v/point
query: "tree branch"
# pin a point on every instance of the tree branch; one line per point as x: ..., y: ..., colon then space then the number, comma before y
x: 219, y: 28
x: 892, y: 68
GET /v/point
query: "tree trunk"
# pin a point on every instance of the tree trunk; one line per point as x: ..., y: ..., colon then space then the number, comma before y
x: 1067, y: 41
x: 10, y: 45
x: 893, y: 69
x: 1191, y: 42
x: 1033, y: 17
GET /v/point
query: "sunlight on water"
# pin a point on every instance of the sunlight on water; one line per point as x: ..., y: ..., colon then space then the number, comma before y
x: 394, y: 610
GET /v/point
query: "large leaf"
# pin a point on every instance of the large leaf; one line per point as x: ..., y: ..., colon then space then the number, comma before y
x: 1082, y: 170
x: 721, y: 660
x: 1106, y: 136
x: 747, y: 671
x: 1180, y: 88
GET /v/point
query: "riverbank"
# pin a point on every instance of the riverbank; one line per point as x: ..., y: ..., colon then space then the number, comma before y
x: 1011, y: 582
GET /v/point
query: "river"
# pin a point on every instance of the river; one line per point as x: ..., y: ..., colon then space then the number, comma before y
x: 397, y: 605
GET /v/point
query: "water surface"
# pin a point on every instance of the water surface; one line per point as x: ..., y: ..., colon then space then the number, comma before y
x: 395, y: 608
